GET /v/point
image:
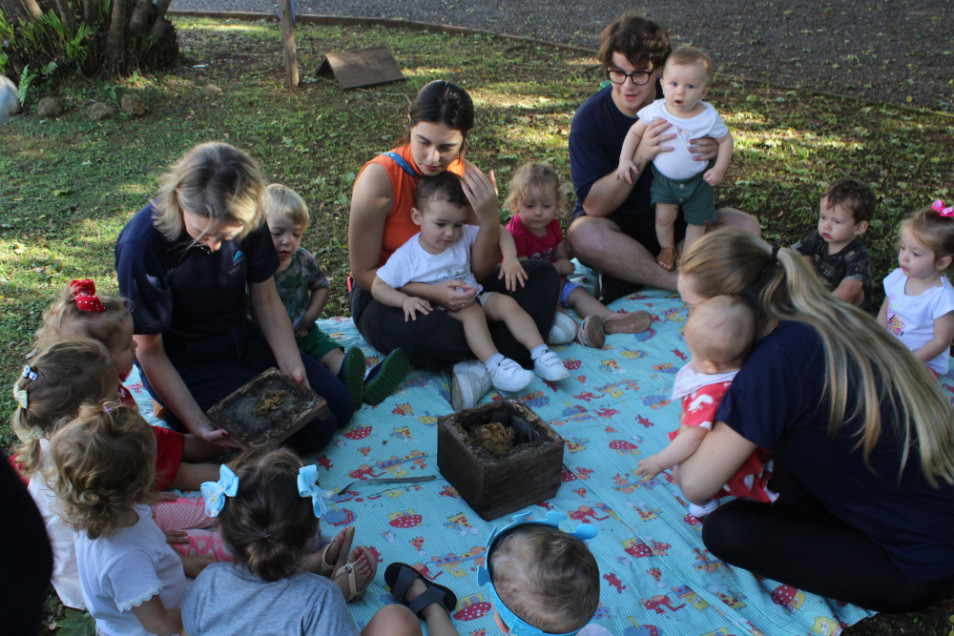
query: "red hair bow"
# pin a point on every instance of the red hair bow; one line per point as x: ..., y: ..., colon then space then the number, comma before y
x: 84, y: 293
x: 938, y: 206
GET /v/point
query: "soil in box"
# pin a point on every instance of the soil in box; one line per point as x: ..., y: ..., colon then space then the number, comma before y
x: 500, y: 457
x: 268, y: 410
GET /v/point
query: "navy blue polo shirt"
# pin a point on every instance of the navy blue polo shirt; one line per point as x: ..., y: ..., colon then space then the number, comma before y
x: 774, y: 402
x: 180, y: 289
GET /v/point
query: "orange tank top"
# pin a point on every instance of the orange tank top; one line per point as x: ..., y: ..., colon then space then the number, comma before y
x: 399, y: 227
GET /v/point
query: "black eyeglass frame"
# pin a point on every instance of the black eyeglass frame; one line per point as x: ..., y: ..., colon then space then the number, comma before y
x: 632, y: 76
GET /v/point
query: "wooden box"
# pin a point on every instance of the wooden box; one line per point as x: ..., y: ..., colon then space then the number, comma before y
x: 267, y: 410
x: 495, y: 485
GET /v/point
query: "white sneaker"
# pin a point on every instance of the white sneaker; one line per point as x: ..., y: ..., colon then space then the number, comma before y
x: 699, y: 512
x: 550, y: 367
x: 563, y: 330
x: 469, y: 382
x: 510, y: 376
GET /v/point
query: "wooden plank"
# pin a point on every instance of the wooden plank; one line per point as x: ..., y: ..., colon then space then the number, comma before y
x: 355, y: 68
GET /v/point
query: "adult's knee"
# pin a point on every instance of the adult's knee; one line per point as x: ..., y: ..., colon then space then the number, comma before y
x: 721, y: 535
x: 583, y: 236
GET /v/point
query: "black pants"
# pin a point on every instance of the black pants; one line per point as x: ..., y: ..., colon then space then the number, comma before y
x: 436, y: 341
x: 798, y: 542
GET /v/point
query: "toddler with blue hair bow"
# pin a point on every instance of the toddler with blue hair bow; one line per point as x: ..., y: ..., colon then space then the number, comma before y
x: 268, y: 509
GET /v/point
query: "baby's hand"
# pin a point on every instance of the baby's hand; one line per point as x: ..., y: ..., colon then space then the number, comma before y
x: 412, y: 305
x: 626, y: 171
x: 713, y: 177
x: 649, y: 468
x: 564, y: 266
x: 512, y: 272
x: 176, y: 537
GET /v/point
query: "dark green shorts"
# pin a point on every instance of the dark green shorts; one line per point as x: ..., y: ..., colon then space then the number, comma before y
x: 693, y: 195
x: 317, y: 343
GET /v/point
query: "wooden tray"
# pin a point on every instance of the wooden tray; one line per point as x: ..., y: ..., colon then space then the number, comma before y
x: 266, y: 411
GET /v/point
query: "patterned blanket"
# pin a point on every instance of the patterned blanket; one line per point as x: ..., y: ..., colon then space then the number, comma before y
x: 657, y: 577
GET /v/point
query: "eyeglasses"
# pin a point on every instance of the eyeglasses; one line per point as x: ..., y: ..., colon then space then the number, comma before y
x: 639, y: 78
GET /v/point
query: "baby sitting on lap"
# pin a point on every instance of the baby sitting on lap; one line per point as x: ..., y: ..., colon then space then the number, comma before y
x: 441, y: 251
x: 719, y: 334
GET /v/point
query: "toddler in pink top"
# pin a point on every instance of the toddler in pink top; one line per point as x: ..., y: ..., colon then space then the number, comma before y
x: 534, y: 200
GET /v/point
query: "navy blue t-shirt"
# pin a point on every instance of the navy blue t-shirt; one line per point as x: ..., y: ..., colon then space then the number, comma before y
x: 183, y: 291
x: 774, y: 402
x: 596, y: 139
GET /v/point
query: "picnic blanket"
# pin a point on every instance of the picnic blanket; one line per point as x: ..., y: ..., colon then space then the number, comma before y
x: 657, y: 576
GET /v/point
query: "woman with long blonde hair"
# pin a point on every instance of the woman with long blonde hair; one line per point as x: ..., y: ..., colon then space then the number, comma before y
x: 863, y: 439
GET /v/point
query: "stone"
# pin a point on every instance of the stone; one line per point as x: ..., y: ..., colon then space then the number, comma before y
x: 100, y: 111
x: 132, y: 105
x: 48, y: 108
x: 9, y: 104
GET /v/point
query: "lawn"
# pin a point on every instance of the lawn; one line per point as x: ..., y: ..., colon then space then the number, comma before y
x: 70, y: 185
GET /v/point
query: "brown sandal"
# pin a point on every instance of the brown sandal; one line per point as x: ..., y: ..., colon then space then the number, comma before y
x: 633, y: 322
x: 590, y: 332
x: 668, y: 258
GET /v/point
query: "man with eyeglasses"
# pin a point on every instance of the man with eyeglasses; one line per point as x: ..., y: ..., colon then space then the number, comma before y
x: 613, y: 227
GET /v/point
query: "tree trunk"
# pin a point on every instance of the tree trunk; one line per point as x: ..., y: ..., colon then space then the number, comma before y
x: 139, y: 17
x: 67, y: 17
x: 22, y: 10
x: 289, y: 50
x: 159, y: 26
x: 116, y: 40
x: 89, y: 11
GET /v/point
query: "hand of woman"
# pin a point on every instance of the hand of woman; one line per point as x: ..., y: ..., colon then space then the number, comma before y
x: 653, y: 140
x: 481, y: 192
x: 457, y: 294
x: 704, y: 149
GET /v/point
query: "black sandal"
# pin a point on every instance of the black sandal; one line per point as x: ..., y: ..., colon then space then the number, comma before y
x: 399, y: 577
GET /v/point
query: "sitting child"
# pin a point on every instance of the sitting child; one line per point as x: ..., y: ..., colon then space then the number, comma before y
x: 49, y: 393
x: 441, y: 251
x: 541, y: 579
x: 678, y: 180
x: 80, y: 311
x: 132, y: 580
x: 269, y: 508
x: 919, y: 306
x: 303, y: 288
x: 835, y: 248
x: 719, y: 334
x: 534, y: 200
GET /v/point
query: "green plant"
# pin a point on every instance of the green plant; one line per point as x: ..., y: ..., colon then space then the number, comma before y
x: 27, y: 77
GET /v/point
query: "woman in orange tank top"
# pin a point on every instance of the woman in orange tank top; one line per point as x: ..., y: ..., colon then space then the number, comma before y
x: 439, y: 120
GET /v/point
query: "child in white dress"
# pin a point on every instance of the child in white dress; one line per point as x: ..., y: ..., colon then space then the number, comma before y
x: 919, y: 304
x: 132, y: 580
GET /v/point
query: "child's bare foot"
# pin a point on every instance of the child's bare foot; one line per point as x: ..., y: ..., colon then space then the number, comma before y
x: 633, y: 322
x: 332, y: 556
x: 668, y: 258
x: 356, y: 575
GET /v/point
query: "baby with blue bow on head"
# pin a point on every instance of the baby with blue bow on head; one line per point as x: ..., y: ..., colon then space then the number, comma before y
x: 543, y: 581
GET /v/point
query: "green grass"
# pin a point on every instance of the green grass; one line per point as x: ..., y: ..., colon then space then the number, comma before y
x: 70, y: 185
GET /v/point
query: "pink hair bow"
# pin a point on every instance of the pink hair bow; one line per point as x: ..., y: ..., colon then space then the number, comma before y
x: 938, y: 206
x: 84, y: 293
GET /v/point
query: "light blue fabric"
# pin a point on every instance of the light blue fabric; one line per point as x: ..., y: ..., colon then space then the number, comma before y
x: 657, y: 577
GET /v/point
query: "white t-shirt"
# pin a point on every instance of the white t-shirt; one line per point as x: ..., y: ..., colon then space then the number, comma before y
x: 911, y: 318
x: 679, y: 163
x: 126, y: 568
x: 65, y: 577
x: 411, y: 263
